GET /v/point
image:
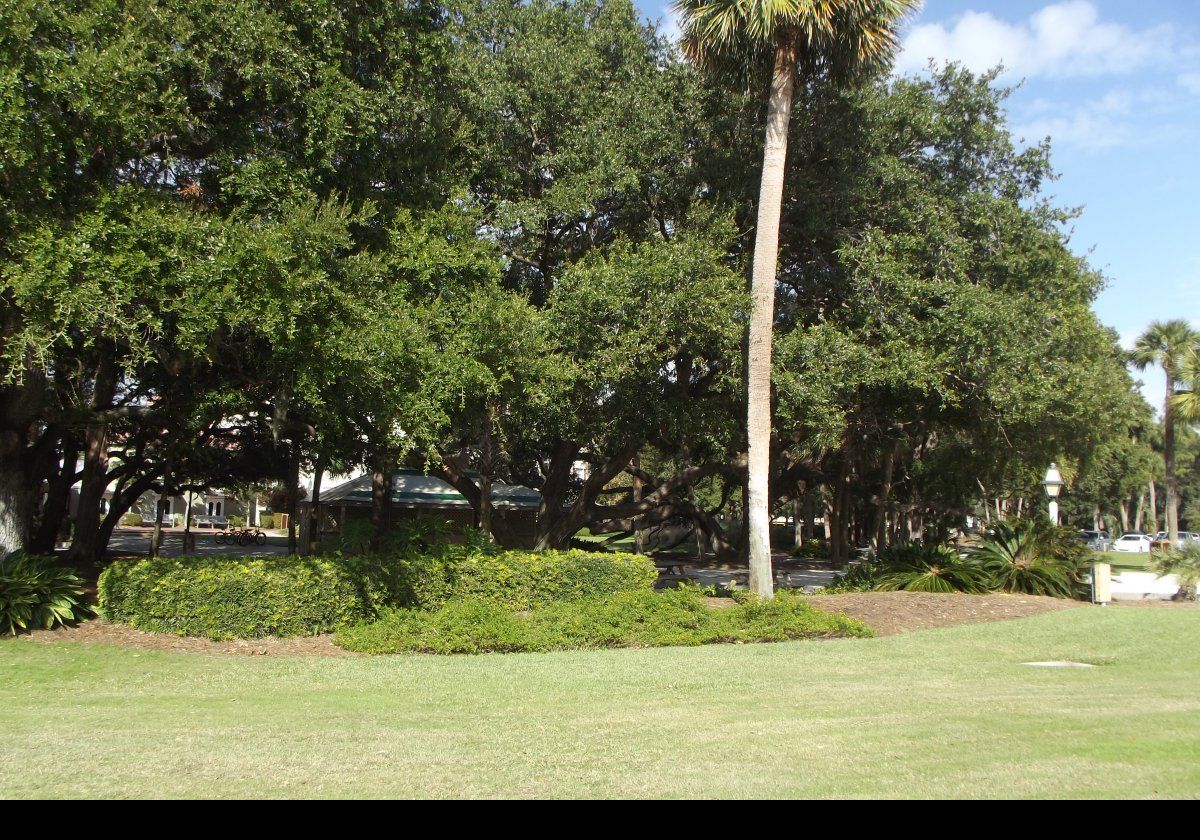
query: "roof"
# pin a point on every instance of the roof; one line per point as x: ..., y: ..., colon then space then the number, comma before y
x: 411, y: 488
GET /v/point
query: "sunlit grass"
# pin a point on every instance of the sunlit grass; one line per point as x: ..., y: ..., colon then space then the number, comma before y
x: 940, y: 713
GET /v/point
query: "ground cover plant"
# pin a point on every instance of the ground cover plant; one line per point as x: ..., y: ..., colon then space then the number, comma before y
x: 674, y: 617
x: 940, y: 713
x: 37, y: 594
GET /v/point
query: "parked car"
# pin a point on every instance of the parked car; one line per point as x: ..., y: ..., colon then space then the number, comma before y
x: 1161, y: 540
x: 1133, y: 544
x: 1096, y: 540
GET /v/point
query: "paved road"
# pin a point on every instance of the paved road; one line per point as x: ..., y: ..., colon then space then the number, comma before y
x: 136, y: 541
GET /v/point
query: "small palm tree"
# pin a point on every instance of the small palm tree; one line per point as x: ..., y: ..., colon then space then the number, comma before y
x: 1167, y: 343
x: 844, y: 38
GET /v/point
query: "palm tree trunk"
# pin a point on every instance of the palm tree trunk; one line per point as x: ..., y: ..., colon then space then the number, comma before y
x: 762, y: 318
x: 1172, y: 484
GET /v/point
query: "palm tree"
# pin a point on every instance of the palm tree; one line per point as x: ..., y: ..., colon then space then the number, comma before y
x: 843, y: 38
x: 1167, y: 343
x: 1187, y: 401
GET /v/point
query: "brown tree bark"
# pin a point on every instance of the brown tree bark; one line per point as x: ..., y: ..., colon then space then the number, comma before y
x: 86, y: 545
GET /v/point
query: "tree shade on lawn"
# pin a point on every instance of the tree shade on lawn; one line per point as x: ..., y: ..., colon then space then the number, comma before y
x: 846, y: 38
x: 938, y: 713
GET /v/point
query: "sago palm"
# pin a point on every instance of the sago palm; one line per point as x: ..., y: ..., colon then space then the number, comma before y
x: 1167, y: 343
x: 842, y: 38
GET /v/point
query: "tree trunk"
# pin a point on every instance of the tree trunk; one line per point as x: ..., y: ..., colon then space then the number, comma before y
x: 86, y: 545
x: 798, y: 518
x: 293, y: 498
x: 1153, y: 507
x: 1141, y: 509
x: 381, y: 502
x: 487, y: 467
x: 1124, y: 514
x: 762, y: 319
x: 639, y: 534
x: 1172, y: 484
x: 314, y: 507
x: 885, y: 493
x: 14, y: 510
x: 57, y: 501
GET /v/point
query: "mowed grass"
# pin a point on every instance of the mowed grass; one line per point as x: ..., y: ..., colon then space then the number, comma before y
x: 940, y: 713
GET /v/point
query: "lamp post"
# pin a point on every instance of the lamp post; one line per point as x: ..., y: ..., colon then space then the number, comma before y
x: 1053, y: 483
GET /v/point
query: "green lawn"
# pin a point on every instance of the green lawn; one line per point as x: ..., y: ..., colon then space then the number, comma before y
x: 1124, y: 560
x: 937, y: 714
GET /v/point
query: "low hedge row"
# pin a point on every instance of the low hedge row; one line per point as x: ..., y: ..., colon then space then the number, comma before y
x: 222, y: 597
x: 225, y: 598
x: 679, y: 617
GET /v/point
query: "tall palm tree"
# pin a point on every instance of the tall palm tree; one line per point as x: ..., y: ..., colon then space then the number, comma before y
x: 1167, y: 343
x: 1187, y: 401
x: 842, y: 38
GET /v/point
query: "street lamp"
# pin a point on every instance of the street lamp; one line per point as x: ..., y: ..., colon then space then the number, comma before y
x: 1053, y: 483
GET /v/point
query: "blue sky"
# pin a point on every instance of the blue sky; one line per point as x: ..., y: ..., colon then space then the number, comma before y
x: 1116, y: 86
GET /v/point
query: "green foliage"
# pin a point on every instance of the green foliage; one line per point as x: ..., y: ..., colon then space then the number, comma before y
x: 929, y: 568
x: 1029, y: 558
x: 296, y: 596
x: 812, y: 549
x: 131, y: 520
x: 675, y: 617
x: 859, y: 577
x: 267, y: 521
x: 222, y: 598
x: 516, y: 580
x: 237, y: 521
x: 1184, y: 563
x: 36, y: 594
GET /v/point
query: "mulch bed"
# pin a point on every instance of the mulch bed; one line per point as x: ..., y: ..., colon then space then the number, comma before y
x: 889, y: 613
x: 100, y: 632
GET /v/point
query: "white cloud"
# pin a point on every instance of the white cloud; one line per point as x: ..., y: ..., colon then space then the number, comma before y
x: 1062, y: 39
x: 1190, y: 82
x: 1119, y: 118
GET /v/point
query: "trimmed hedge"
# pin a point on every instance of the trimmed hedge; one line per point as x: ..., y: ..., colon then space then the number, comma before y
x: 223, y: 597
x: 226, y: 598
x: 678, y: 617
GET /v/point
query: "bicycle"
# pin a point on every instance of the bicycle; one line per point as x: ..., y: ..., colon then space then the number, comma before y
x: 251, y: 535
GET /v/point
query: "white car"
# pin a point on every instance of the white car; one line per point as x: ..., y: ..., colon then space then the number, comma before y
x: 1133, y: 544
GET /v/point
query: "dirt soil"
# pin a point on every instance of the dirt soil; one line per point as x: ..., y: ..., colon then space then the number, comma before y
x: 889, y: 613
x: 100, y: 632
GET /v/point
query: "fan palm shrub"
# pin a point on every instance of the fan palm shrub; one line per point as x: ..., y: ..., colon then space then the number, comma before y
x: 36, y: 594
x: 928, y: 568
x: 1184, y: 563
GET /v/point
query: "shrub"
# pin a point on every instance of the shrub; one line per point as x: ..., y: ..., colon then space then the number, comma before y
x: 675, y: 617
x: 267, y: 521
x: 236, y: 521
x: 131, y: 520
x: 859, y: 577
x: 221, y: 597
x: 928, y: 568
x: 1184, y: 563
x: 1031, y: 559
x: 521, y: 580
x: 812, y: 549
x: 245, y: 598
x: 36, y: 594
